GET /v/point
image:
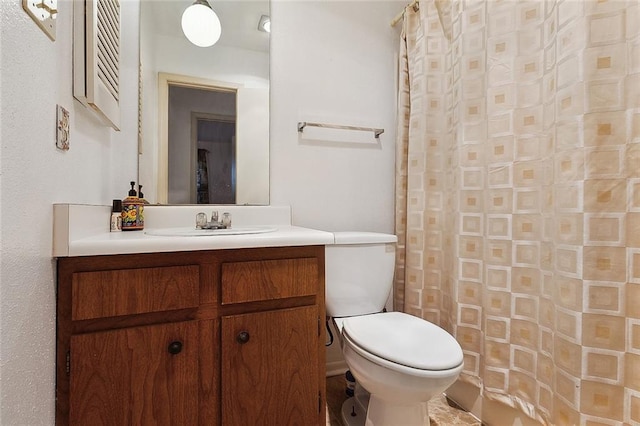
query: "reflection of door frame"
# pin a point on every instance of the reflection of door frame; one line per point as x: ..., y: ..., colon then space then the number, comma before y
x: 164, y: 81
x: 195, y: 117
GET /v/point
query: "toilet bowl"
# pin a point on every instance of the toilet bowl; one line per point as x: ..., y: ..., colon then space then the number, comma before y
x: 400, y: 360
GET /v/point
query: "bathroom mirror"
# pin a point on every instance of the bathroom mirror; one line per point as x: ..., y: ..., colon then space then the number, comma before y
x: 235, y: 71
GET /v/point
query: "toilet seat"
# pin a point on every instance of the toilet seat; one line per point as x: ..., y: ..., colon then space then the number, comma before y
x: 403, y: 342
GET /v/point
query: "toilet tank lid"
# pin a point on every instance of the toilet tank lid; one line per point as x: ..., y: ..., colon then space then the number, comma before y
x: 363, y: 238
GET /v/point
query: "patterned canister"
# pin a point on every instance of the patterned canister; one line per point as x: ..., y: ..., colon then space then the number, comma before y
x: 132, y: 214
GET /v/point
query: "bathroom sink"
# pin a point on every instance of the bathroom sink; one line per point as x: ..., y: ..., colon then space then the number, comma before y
x: 192, y: 232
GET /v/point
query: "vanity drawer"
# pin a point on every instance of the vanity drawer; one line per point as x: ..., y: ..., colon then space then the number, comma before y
x: 133, y: 291
x: 268, y: 279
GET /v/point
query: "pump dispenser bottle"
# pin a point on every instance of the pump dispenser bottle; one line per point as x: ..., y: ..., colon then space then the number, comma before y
x: 132, y: 211
x: 141, y: 195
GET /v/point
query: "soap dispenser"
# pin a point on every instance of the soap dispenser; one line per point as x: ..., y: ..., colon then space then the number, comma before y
x: 132, y: 211
x: 141, y: 195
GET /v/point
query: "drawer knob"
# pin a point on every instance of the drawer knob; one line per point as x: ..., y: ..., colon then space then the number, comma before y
x: 175, y: 348
x: 243, y: 337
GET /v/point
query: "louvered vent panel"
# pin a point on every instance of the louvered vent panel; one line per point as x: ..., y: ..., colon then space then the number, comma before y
x: 96, y: 57
x: 109, y: 45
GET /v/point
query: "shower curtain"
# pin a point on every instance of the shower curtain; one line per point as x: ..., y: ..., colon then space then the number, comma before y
x: 518, y: 198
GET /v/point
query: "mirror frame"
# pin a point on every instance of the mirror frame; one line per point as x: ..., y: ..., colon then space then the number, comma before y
x: 164, y: 81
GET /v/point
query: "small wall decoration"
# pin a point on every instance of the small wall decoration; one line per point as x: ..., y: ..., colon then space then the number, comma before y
x: 62, y: 124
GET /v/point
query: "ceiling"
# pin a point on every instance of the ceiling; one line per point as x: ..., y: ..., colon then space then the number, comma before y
x: 239, y: 20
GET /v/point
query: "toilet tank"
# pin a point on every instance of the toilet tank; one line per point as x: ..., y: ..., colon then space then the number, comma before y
x: 359, y: 270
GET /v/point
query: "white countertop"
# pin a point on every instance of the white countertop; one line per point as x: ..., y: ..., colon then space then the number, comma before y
x: 81, y: 230
x: 140, y: 242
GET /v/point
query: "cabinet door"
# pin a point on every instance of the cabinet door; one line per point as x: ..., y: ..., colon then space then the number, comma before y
x: 135, y: 376
x: 270, y: 368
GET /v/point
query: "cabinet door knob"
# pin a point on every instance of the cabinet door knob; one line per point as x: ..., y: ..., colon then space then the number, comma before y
x: 243, y: 337
x: 175, y: 347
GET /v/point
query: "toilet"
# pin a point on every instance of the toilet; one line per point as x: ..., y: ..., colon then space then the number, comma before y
x: 399, y: 361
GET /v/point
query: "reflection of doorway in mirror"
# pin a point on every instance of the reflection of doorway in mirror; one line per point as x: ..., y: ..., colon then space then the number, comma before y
x: 201, y: 119
x: 215, y: 172
x: 175, y: 164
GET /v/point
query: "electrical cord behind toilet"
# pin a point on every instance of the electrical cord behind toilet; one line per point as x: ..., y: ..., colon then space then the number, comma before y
x: 330, y: 335
x: 330, y: 342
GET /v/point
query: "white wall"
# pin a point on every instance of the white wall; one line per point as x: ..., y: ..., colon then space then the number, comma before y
x: 329, y: 58
x: 36, y: 74
x: 334, y: 60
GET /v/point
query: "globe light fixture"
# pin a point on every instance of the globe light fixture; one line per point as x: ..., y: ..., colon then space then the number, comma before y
x: 200, y: 24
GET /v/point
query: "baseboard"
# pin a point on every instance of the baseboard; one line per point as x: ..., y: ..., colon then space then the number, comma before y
x: 336, y: 368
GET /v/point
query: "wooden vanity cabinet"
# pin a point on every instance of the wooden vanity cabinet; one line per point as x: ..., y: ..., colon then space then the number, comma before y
x: 220, y: 337
x: 132, y: 376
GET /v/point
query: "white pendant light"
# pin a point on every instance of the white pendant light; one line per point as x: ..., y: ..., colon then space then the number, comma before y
x: 200, y: 24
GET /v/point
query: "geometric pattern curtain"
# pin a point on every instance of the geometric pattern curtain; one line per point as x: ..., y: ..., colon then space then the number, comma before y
x: 518, y: 198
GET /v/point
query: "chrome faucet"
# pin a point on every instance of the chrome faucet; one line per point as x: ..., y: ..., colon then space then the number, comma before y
x: 214, y: 223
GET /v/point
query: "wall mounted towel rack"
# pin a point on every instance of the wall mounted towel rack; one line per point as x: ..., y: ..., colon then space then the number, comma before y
x: 376, y: 132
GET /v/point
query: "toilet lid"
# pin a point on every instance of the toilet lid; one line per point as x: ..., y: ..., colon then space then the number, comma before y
x: 404, y: 339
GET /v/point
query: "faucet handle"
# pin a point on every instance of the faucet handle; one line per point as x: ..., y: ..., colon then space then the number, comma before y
x: 201, y: 220
x: 226, y: 220
x: 214, y: 216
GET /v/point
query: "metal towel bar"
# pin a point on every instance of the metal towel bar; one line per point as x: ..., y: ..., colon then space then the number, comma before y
x: 376, y: 132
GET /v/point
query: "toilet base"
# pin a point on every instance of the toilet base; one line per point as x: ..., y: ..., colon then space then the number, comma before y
x: 354, y: 409
x: 384, y: 413
x: 353, y: 413
x: 367, y: 410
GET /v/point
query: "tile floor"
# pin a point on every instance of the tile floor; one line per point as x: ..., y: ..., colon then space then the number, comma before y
x: 440, y: 413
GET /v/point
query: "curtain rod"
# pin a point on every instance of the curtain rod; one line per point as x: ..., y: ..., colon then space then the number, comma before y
x: 416, y: 6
